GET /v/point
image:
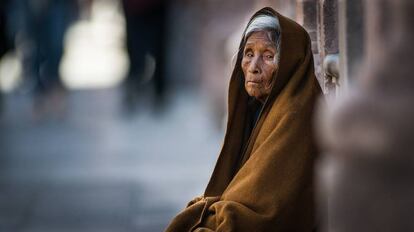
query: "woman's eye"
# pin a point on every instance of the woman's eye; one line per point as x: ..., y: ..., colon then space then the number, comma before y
x: 249, y: 54
x: 269, y: 56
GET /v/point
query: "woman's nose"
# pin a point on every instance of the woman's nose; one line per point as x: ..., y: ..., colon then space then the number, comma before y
x: 254, y: 66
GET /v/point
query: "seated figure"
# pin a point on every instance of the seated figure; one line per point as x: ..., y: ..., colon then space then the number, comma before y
x: 263, y: 179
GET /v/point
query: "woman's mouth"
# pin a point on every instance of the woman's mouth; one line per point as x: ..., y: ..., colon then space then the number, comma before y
x: 254, y: 82
x: 254, y: 85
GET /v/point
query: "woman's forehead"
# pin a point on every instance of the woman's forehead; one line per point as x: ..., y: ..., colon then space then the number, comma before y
x: 261, y: 38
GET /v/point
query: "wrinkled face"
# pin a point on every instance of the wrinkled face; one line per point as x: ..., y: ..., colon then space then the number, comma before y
x: 259, y: 65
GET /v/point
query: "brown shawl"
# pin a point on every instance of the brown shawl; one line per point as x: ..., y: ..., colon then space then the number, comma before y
x: 272, y: 189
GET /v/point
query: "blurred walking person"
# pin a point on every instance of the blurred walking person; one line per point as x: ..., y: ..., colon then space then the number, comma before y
x: 40, y: 30
x: 145, y: 29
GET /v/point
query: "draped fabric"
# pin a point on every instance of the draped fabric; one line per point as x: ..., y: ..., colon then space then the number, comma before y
x: 268, y: 185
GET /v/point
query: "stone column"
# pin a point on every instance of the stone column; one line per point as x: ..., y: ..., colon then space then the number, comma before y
x: 306, y: 15
x: 328, y: 27
x: 368, y: 176
x: 328, y: 45
x: 351, y: 40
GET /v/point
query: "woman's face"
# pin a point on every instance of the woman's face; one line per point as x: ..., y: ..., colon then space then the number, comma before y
x: 259, y: 65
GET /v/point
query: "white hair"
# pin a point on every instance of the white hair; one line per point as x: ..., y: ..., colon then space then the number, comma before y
x: 266, y: 23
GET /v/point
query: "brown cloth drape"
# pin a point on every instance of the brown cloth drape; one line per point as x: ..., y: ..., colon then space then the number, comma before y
x: 272, y: 189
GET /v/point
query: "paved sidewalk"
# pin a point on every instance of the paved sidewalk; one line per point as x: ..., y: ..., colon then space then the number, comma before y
x: 97, y: 170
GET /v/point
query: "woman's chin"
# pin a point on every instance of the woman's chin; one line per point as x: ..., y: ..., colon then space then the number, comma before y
x: 255, y: 95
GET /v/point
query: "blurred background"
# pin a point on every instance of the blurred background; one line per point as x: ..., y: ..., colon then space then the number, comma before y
x: 112, y: 112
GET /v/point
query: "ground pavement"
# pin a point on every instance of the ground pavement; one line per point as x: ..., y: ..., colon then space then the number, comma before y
x: 97, y: 170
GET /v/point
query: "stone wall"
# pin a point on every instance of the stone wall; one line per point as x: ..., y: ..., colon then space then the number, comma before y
x: 367, y: 173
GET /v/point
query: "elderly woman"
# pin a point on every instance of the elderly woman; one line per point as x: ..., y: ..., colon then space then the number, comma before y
x: 263, y: 177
